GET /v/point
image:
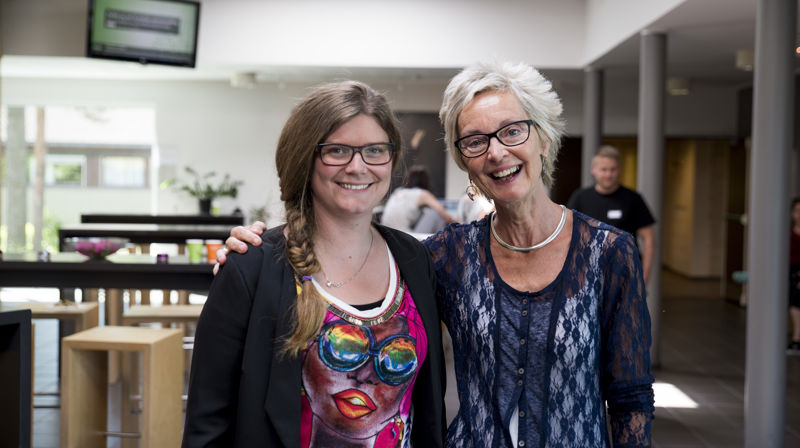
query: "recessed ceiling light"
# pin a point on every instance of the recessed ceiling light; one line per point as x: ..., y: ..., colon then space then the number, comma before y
x: 677, y: 86
x: 744, y: 60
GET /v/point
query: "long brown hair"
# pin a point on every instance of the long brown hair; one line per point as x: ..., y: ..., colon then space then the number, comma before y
x: 316, y: 117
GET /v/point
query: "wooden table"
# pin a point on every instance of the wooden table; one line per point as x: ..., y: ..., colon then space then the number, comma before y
x: 143, y: 233
x: 227, y: 220
x: 122, y: 271
x: 84, y: 315
x: 140, y: 314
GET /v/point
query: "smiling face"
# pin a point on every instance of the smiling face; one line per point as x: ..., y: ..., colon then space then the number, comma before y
x: 353, y: 403
x: 605, y: 171
x: 506, y: 174
x: 355, y: 188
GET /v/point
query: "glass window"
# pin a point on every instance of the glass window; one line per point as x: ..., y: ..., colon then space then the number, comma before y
x: 123, y: 171
x: 65, y: 169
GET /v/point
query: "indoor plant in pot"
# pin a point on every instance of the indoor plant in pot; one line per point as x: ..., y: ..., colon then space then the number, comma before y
x: 205, y: 188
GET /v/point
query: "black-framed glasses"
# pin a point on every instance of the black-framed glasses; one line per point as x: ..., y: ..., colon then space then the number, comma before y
x: 512, y: 134
x: 336, y: 154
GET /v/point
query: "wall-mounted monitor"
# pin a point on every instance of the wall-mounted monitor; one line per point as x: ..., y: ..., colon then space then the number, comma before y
x: 146, y: 31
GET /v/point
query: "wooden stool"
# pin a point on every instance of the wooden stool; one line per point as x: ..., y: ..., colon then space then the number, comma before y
x: 165, y: 315
x: 84, y: 385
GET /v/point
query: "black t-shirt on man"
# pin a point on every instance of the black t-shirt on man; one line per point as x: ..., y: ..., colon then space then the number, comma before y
x: 624, y: 208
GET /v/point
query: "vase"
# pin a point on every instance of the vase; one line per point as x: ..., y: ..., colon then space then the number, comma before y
x: 205, y: 206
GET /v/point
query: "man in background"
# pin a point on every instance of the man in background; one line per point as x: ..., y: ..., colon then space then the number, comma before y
x: 614, y: 204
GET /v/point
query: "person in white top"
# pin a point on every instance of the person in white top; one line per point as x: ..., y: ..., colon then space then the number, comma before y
x: 404, y: 207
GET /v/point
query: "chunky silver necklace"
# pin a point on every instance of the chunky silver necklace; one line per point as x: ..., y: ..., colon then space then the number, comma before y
x: 535, y: 246
x: 331, y: 284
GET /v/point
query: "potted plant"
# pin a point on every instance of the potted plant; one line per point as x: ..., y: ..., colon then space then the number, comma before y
x: 205, y: 188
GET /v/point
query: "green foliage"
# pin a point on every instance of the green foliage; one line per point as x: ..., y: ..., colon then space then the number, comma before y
x: 259, y: 214
x: 67, y: 173
x: 205, y: 187
x: 50, y: 228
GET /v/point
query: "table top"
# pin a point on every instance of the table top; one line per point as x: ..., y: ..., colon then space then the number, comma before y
x: 145, y: 233
x: 99, y: 218
x: 73, y: 270
x: 50, y: 309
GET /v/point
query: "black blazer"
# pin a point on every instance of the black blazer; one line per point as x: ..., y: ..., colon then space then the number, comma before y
x: 242, y: 394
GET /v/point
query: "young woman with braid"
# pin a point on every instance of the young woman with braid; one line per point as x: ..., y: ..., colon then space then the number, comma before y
x: 327, y: 333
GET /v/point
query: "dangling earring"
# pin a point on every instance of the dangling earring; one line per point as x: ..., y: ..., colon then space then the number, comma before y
x: 472, y: 191
x: 541, y: 174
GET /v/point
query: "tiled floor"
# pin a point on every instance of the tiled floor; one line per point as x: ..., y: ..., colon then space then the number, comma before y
x: 702, y: 355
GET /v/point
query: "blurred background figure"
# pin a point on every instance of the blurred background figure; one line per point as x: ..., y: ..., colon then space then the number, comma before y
x: 614, y: 204
x: 473, y: 208
x: 794, y: 278
x: 412, y: 208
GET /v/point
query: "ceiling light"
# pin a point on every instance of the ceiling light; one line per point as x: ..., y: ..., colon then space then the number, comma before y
x: 677, y: 86
x: 744, y: 60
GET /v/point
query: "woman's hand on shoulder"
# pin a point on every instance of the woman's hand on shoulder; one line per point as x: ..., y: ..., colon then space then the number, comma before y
x: 236, y: 242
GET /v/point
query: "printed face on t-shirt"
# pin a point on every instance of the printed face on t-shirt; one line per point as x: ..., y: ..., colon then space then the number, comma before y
x: 355, y: 377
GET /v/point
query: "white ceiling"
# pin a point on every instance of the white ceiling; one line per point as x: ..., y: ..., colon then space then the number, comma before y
x: 702, y: 39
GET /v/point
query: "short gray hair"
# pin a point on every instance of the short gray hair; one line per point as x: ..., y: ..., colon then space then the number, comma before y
x: 534, y: 92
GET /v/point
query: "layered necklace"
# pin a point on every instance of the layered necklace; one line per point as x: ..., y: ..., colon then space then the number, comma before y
x: 331, y: 284
x: 535, y: 246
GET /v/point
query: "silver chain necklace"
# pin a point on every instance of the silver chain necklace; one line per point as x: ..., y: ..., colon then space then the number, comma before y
x: 535, y: 246
x: 331, y: 284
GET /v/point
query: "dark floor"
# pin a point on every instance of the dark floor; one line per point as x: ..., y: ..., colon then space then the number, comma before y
x: 702, y: 355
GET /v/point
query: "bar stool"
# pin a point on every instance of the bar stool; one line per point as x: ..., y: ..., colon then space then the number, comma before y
x: 84, y: 386
x: 166, y: 315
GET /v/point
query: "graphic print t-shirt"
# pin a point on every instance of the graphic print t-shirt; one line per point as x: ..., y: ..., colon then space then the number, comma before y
x: 359, y: 373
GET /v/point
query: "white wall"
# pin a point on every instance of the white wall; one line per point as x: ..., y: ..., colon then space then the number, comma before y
x: 398, y: 33
x: 349, y: 33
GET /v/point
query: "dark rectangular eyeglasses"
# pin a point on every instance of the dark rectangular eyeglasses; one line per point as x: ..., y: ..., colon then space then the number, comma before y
x: 336, y: 154
x: 512, y: 134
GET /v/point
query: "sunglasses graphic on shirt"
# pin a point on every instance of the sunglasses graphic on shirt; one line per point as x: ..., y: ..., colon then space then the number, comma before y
x: 344, y: 347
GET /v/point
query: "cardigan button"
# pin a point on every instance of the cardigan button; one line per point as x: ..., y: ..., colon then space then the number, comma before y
x: 521, y: 443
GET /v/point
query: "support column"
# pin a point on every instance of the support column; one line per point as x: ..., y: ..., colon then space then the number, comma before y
x: 16, y: 167
x: 592, y: 121
x: 768, y: 224
x: 650, y: 161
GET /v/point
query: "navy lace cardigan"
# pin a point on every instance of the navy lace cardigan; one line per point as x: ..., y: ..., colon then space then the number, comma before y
x: 597, y: 348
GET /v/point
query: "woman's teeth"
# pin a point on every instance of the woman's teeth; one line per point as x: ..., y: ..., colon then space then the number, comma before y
x: 355, y: 187
x: 506, y: 172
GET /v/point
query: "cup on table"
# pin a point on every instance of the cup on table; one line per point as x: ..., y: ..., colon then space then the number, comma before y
x: 212, y: 246
x: 194, y: 247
